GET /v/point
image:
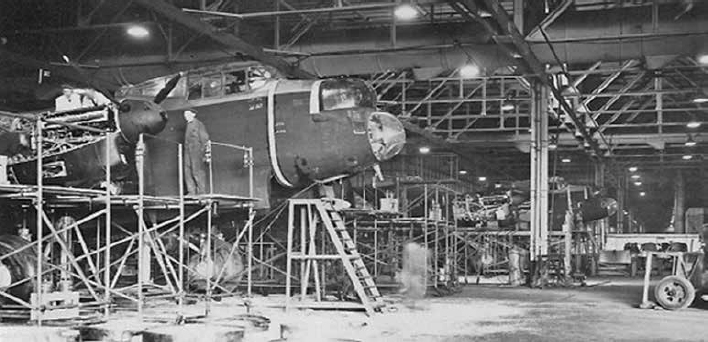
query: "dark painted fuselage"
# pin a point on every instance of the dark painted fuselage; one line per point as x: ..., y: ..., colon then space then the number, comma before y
x: 300, y: 131
x: 292, y: 143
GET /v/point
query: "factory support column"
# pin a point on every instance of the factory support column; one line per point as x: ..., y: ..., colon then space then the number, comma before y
x: 679, y: 203
x: 601, y: 226
x: 621, y: 194
x: 539, y: 171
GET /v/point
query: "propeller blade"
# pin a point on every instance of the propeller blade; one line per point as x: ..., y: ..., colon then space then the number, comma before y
x: 171, y: 84
x: 88, y: 81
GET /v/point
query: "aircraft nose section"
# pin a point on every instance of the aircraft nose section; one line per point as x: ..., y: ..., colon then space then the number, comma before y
x: 386, y: 135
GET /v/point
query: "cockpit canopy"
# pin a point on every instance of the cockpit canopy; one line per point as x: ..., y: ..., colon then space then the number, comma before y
x: 346, y: 93
x: 207, y: 82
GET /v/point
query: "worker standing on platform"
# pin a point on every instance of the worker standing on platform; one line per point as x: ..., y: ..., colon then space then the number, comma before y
x: 68, y: 100
x: 196, y: 153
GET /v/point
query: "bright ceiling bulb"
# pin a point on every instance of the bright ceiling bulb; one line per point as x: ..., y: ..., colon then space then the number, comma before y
x: 138, y: 31
x: 693, y: 124
x: 703, y: 59
x: 469, y: 71
x: 463, y: 172
x: 642, y: 194
x: 690, y: 143
x: 482, y: 179
x: 638, y: 183
x: 701, y: 99
x: 633, y: 169
x: 405, y: 12
x: 565, y: 160
x: 424, y: 149
x: 687, y: 157
x: 636, y: 176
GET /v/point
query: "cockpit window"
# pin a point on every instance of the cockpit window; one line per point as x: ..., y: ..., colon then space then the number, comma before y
x: 194, y: 83
x: 257, y: 76
x: 345, y: 93
x: 212, y: 85
x: 207, y: 82
x: 152, y: 87
x: 205, y: 86
x: 235, y: 82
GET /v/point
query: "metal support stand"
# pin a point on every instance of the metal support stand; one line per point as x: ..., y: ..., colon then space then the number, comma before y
x: 539, y: 172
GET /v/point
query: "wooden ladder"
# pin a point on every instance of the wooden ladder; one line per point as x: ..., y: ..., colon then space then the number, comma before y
x: 345, y: 248
x: 362, y: 280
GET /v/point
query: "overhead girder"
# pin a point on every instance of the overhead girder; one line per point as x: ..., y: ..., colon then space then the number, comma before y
x: 227, y: 40
x: 566, y: 139
x: 509, y: 33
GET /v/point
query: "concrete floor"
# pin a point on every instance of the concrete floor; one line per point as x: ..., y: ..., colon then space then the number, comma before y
x: 492, y: 313
x: 606, y: 312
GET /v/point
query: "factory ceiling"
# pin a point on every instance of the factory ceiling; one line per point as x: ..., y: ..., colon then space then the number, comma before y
x: 632, y: 70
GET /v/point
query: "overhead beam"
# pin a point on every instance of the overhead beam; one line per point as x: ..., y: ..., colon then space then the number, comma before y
x: 334, y: 9
x: 532, y: 65
x: 457, y: 149
x: 606, y: 106
x: 493, y: 139
x: 226, y: 39
x: 548, y: 20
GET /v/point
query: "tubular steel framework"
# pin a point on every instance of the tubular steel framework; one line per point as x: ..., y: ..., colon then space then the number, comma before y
x: 105, y: 264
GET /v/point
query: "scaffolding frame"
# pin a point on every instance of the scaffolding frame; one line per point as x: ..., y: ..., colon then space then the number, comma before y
x: 101, y: 282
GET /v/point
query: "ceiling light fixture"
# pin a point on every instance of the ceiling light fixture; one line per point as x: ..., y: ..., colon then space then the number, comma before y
x: 565, y: 160
x: 463, y: 172
x: 469, y: 70
x: 700, y: 99
x: 703, y: 59
x: 482, y: 179
x: 636, y: 176
x: 424, y: 149
x: 137, y: 31
x: 689, y: 141
x: 405, y: 12
x: 687, y: 157
x: 693, y: 123
x: 642, y: 194
x: 66, y: 58
x: 633, y: 169
x: 638, y: 183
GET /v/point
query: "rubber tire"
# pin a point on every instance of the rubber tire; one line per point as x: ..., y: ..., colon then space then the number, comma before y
x: 680, y: 303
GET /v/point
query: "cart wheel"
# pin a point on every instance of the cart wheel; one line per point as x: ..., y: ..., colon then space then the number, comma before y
x: 674, y: 293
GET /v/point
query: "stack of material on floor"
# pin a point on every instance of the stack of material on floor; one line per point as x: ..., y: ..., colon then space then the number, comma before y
x: 614, y: 262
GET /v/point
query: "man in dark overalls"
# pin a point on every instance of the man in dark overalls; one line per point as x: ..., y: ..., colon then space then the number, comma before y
x: 196, y: 152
